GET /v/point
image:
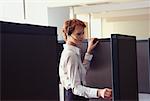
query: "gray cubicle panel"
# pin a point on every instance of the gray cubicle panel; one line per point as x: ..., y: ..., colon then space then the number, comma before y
x: 124, y: 71
x: 124, y: 66
x: 143, y: 66
x: 149, y: 61
x: 28, y: 71
x: 60, y: 48
x: 149, y: 50
x: 59, y: 51
x: 99, y: 74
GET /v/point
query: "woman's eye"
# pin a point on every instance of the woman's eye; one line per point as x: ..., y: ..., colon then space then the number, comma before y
x: 80, y: 33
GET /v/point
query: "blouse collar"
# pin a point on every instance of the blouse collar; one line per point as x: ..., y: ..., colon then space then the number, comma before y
x: 73, y: 48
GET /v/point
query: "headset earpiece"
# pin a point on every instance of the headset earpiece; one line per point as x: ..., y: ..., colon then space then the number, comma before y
x: 69, y: 31
x: 70, y: 28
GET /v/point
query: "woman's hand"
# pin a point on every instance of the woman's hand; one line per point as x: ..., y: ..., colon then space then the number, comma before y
x: 105, y: 93
x: 91, y: 45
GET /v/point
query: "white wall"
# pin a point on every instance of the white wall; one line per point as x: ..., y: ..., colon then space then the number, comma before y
x: 13, y: 11
x: 131, y: 18
x: 37, y: 12
x: 56, y: 17
x: 96, y: 28
x: 138, y: 26
x: 86, y: 19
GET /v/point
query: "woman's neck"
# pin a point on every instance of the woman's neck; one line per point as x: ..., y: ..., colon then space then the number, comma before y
x: 74, y: 44
x: 71, y: 43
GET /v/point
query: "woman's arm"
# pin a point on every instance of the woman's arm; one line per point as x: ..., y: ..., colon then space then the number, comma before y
x: 78, y: 88
x: 88, y: 55
x: 87, y: 59
x: 75, y: 79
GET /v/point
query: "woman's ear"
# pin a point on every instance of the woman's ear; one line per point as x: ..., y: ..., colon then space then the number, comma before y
x: 65, y: 37
x: 63, y: 31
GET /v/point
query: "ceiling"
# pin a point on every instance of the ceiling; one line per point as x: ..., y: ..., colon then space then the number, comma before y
x: 63, y: 3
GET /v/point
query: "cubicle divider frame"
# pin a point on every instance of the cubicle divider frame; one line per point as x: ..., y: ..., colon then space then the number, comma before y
x: 124, y: 66
x: 107, y: 56
x: 28, y: 62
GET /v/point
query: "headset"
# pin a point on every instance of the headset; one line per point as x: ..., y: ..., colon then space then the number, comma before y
x: 70, y: 30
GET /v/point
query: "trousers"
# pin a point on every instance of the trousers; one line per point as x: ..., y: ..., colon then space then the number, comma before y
x: 69, y: 96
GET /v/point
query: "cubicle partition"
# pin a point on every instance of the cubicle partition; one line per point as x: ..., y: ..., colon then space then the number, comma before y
x: 28, y: 65
x: 114, y: 65
x: 149, y: 48
x: 149, y: 61
x: 143, y: 66
x: 143, y: 58
x: 124, y: 68
x: 100, y: 72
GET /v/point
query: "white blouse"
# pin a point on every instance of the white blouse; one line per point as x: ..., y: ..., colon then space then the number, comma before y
x: 72, y: 71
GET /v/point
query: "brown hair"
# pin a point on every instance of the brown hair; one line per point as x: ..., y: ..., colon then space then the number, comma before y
x: 69, y: 26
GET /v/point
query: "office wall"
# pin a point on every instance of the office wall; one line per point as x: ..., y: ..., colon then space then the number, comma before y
x: 56, y: 17
x: 36, y: 12
x: 11, y: 10
x: 30, y: 11
x: 135, y: 22
x: 138, y: 26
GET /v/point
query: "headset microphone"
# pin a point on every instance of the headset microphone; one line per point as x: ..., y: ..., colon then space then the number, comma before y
x: 74, y: 38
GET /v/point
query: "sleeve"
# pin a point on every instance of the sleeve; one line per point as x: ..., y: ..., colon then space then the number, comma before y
x: 87, y: 59
x: 75, y: 79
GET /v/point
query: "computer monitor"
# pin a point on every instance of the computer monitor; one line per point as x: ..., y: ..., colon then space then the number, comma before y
x: 29, y: 70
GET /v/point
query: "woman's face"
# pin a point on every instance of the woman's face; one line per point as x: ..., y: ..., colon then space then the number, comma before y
x: 78, y: 34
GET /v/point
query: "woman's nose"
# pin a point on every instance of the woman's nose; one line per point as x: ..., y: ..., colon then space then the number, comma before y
x: 83, y: 36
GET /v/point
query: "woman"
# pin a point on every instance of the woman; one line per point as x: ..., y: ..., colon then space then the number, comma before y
x: 71, y: 70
